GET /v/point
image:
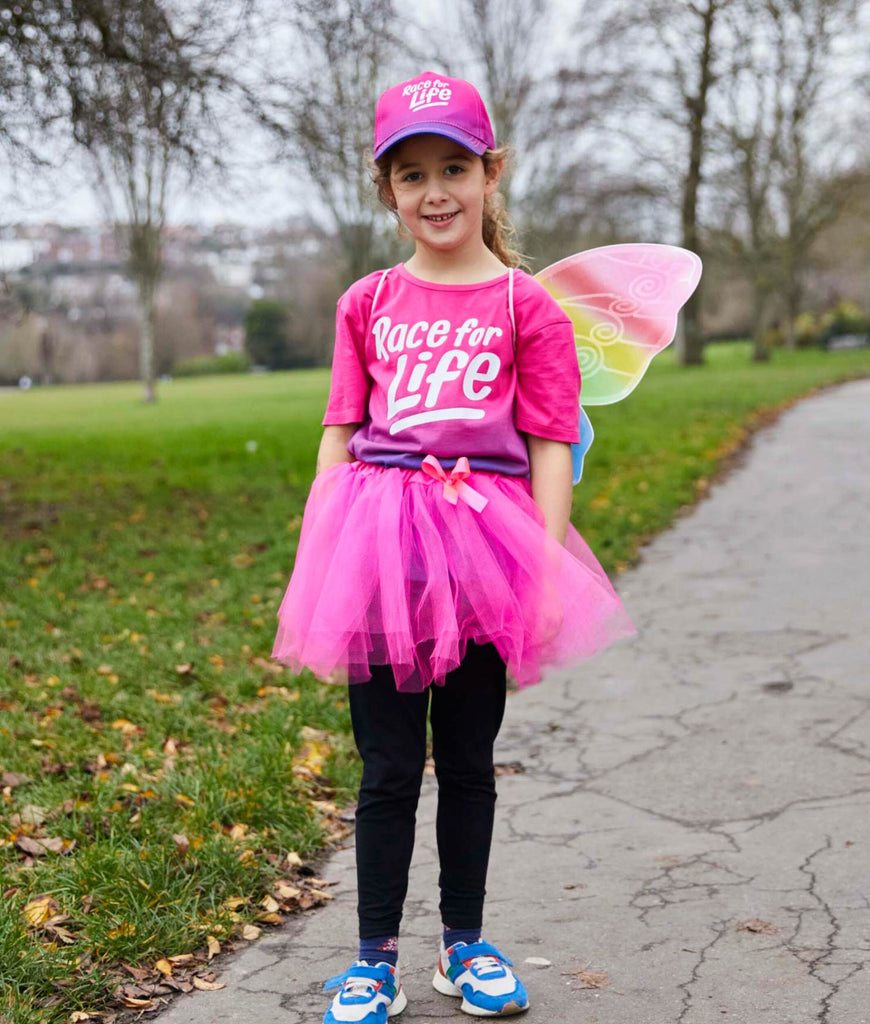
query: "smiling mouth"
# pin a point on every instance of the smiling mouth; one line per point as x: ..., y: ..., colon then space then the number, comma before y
x: 440, y: 218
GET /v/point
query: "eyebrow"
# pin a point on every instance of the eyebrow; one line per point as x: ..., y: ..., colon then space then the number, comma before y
x: 451, y: 158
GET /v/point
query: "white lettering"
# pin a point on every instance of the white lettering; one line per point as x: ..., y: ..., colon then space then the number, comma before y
x: 473, y: 375
x: 437, y: 333
x: 396, y: 405
x: 463, y: 330
x: 379, y: 330
x: 416, y: 378
x: 442, y: 373
x: 412, y: 341
x: 396, y: 338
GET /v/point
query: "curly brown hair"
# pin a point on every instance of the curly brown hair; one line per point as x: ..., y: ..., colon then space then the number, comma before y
x: 498, y: 232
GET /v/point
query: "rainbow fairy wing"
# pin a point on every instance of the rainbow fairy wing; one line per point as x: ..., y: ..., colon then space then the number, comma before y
x: 623, y: 301
x: 578, y: 451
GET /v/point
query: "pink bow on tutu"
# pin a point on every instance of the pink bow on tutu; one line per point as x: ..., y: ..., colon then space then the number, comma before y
x: 455, y: 486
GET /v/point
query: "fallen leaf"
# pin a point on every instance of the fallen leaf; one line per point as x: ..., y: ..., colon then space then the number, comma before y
x: 270, y: 904
x: 125, y: 726
x: 207, y: 986
x: 238, y: 832
x: 40, y: 847
x: 251, y: 932
x: 165, y: 967
x: 313, y: 735
x: 64, y: 934
x: 182, y: 843
x: 164, y: 698
x: 757, y: 927
x: 139, y: 973
x: 589, y: 979
x: 278, y: 691
x: 33, y: 815
x: 89, y: 711
x: 38, y: 911
x: 135, y: 1003
x: 13, y: 779
x: 181, y: 958
x: 214, y: 947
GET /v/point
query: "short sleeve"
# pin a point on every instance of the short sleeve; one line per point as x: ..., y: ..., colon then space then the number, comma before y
x: 350, y: 383
x: 548, y: 373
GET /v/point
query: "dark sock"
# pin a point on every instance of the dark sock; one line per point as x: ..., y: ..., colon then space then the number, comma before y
x: 452, y: 935
x: 383, y: 949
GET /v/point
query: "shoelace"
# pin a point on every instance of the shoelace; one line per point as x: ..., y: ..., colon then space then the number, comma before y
x: 486, y: 964
x: 360, y: 987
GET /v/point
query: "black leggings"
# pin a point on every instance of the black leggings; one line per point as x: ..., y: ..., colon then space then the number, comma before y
x: 390, y: 732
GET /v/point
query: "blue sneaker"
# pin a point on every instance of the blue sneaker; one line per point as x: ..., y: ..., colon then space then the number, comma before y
x: 482, y: 977
x: 368, y: 995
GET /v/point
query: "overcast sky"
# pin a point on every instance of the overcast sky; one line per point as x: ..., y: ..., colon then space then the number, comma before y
x: 259, y: 195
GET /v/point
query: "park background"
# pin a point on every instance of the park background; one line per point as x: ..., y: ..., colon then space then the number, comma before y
x: 165, y: 785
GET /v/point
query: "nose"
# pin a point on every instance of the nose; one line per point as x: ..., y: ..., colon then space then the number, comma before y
x: 436, y: 191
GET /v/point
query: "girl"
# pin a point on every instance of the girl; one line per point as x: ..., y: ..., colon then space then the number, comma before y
x: 436, y: 551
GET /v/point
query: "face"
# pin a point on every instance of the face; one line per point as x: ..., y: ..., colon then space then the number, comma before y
x: 438, y: 187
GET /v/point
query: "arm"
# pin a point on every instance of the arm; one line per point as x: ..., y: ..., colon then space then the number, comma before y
x: 551, y: 479
x: 333, y: 445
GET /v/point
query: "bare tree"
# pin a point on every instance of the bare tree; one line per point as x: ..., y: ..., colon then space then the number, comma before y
x: 663, y: 58
x: 812, y: 146
x: 133, y: 82
x: 505, y: 40
x: 143, y: 122
x: 781, y: 166
x: 746, y: 139
x: 322, y: 113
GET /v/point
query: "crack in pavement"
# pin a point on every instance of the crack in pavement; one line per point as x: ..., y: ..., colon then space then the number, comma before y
x: 720, y: 928
x: 698, y: 796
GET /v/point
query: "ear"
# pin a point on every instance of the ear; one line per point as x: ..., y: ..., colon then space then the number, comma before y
x: 493, y: 176
x: 389, y: 197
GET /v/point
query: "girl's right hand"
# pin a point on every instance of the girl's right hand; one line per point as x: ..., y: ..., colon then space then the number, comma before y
x: 333, y: 445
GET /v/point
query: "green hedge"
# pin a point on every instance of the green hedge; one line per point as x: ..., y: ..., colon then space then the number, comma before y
x: 200, y: 366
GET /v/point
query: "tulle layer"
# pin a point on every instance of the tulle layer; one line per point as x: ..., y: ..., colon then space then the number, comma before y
x: 389, y: 572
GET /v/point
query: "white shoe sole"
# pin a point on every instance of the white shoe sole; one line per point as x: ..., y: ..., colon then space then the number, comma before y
x: 398, y: 1004
x: 446, y: 987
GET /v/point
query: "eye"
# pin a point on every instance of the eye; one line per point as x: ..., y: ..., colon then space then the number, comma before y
x: 412, y: 176
x: 454, y: 169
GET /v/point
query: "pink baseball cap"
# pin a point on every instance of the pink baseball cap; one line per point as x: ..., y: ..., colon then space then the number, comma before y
x: 433, y: 103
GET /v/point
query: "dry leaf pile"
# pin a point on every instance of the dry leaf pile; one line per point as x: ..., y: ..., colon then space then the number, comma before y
x: 150, y: 987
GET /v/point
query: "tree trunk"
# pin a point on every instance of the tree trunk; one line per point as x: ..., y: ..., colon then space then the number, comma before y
x: 792, y: 305
x: 46, y: 351
x: 146, y: 345
x: 690, y: 345
x: 760, y: 346
x: 690, y: 349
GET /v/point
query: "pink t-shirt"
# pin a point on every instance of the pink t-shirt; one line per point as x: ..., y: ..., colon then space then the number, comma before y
x: 434, y: 370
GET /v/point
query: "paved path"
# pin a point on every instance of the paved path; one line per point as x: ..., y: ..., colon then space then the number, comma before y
x: 710, y: 773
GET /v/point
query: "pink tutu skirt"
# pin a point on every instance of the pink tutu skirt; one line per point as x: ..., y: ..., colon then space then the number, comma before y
x: 390, y: 572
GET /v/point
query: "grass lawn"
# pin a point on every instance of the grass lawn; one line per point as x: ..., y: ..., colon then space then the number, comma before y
x: 163, y: 782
